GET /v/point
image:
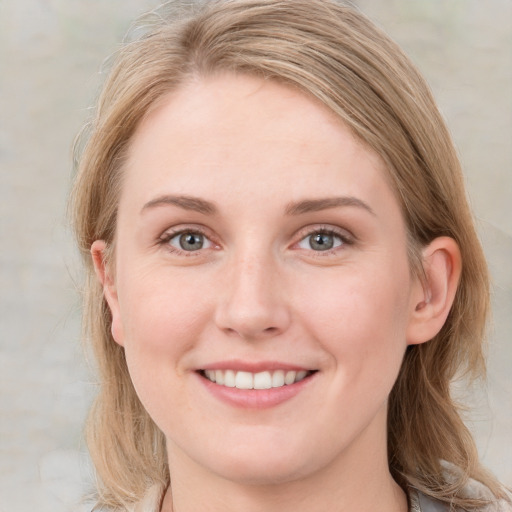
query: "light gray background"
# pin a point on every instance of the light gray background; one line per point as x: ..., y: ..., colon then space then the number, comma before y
x: 50, y: 56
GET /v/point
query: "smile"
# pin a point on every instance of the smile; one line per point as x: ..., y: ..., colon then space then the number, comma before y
x: 260, y: 380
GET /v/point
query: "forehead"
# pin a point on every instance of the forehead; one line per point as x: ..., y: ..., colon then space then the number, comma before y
x: 241, y: 135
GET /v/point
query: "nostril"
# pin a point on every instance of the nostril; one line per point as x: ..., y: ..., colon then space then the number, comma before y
x: 251, y: 319
x: 249, y: 333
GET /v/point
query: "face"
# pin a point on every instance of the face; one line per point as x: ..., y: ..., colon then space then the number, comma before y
x: 261, y: 286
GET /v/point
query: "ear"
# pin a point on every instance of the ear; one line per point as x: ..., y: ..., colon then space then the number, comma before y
x: 105, y: 277
x: 432, y: 298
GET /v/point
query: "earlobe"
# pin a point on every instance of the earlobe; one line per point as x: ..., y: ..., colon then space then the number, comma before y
x: 433, y: 296
x: 103, y: 272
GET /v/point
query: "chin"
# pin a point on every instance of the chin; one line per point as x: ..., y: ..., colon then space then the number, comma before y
x: 263, y: 473
x: 264, y: 466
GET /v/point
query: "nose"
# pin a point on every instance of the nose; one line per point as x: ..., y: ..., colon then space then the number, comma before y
x: 252, y: 301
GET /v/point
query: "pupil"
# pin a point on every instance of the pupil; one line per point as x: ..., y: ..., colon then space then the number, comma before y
x: 321, y: 242
x: 191, y: 241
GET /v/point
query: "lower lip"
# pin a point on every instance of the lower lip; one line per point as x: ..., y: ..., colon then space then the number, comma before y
x: 255, y: 398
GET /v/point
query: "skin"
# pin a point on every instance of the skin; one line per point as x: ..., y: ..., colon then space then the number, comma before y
x: 258, y: 290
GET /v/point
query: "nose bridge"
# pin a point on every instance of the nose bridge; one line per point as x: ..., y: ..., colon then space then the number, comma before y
x: 252, y: 302
x: 252, y: 279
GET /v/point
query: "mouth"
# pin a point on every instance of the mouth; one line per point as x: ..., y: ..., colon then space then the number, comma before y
x: 261, y: 380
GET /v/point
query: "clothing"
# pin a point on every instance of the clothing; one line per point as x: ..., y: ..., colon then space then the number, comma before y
x: 419, y: 501
x: 151, y: 502
x: 422, y: 503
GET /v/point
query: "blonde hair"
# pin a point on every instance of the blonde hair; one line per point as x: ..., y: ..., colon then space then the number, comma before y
x: 331, y: 52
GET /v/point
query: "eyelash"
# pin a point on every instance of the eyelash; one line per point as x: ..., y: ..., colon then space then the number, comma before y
x: 166, y: 238
x: 345, y: 238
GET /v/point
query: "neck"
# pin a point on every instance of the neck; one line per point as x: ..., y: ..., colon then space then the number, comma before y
x: 357, y: 480
x: 388, y: 497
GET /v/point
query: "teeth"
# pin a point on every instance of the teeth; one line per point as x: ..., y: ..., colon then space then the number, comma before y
x: 261, y: 380
x: 229, y: 378
x: 289, y: 378
x: 301, y: 375
x: 219, y: 377
x: 243, y: 380
x: 278, y: 379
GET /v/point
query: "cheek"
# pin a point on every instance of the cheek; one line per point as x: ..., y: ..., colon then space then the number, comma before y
x: 162, y: 313
x: 358, y: 315
x: 162, y: 318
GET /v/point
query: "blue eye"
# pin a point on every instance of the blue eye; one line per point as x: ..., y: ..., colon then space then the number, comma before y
x: 321, y: 241
x: 189, y: 241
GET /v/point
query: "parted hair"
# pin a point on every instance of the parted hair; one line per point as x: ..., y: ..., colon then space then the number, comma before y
x: 333, y: 53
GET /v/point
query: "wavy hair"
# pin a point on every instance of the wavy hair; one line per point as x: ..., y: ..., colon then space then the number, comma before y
x: 331, y: 52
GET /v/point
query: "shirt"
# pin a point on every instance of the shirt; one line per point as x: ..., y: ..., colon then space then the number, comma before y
x: 419, y: 502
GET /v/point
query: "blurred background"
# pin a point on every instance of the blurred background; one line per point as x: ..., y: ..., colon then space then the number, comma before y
x: 51, y: 54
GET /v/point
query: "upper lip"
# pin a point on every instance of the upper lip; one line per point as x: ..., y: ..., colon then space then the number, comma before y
x: 253, y: 366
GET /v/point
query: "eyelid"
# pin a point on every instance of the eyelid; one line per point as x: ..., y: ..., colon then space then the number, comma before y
x: 346, y: 236
x: 174, y: 231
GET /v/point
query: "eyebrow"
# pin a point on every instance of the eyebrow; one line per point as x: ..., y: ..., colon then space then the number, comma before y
x: 294, y: 208
x: 186, y: 202
x: 316, y: 205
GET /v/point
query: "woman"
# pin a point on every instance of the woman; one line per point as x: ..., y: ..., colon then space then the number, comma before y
x: 283, y: 272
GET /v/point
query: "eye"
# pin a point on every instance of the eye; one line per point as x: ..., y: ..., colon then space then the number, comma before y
x: 188, y: 241
x: 322, y: 241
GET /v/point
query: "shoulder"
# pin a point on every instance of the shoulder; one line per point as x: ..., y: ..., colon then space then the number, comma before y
x: 151, y: 502
x: 419, y: 502
x: 475, y: 490
x: 478, y: 491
